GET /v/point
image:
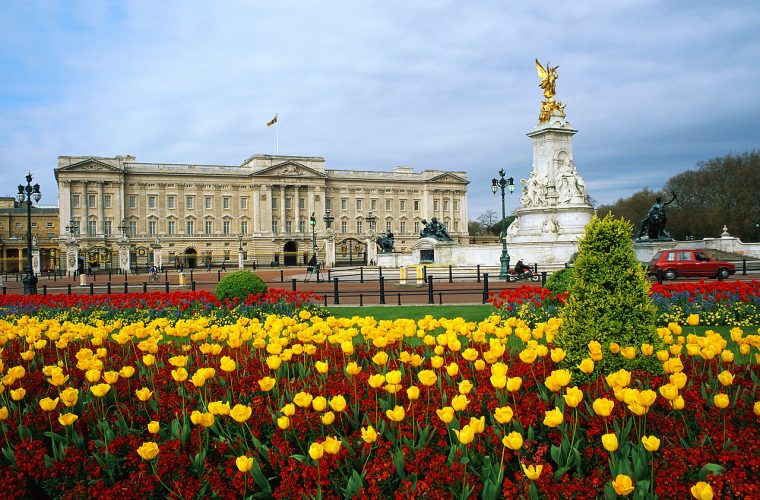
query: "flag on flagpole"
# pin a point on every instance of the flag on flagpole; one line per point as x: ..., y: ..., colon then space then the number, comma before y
x: 272, y: 121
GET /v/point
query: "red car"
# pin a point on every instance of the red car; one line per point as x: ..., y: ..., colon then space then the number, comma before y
x: 674, y: 263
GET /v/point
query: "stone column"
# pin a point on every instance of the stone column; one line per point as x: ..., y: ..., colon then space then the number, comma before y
x: 84, y: 224
x: 157, y: 260
x: 240, y: 257
x: 101, y: 210
x: 124, y: 258
x: 371, y: 242
x: 256, y: 216
x: 72, y: 256
x: 282, y: 209
x: 64, y: 199
x: 329, y: 244
x: 297, y: 208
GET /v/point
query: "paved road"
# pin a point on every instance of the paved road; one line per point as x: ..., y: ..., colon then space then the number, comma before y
x: 354, y: 286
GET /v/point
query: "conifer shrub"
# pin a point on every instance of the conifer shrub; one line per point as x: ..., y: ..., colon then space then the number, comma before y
x: 559, y: 281
x: 240, y: 284
x: 608, y: 302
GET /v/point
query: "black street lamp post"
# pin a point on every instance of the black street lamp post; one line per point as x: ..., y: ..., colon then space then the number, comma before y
x: 495, y: 185
x: 72, y: 228
x: 371, y: 219
x: 123, y: 227
x: 328, y: 219
x: 313, y: 222
x: 27, y: 194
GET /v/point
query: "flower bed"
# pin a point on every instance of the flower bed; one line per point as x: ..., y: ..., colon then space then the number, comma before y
x: 733, y: 303
x: 300, y: 405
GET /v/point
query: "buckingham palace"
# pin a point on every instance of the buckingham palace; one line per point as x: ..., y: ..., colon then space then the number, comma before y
x: 270, y: 210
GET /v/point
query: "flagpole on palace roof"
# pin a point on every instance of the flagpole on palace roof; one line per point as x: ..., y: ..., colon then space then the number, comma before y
x: 277, y: 135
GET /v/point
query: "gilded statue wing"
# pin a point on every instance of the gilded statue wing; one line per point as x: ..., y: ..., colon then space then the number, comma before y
x: 542, y: 73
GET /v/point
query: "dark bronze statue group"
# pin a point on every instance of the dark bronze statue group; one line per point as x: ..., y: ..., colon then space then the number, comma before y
x: 653, y: 226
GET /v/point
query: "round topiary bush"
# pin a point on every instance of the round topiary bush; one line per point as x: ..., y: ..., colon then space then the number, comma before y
x: 240, y: 284
x: 559, y: 281
x: 608, y: 302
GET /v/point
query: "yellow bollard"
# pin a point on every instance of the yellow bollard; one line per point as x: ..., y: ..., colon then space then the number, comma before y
x: 419, y: 275
x: 402, y: 276
x: 82, y: 279
x: 181, y: 279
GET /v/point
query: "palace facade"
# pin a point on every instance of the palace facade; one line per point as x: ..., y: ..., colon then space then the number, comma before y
x: 13, y: 243
x: 200, y: 214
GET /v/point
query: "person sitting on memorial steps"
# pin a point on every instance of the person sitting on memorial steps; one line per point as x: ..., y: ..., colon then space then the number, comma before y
x: 435, y: 230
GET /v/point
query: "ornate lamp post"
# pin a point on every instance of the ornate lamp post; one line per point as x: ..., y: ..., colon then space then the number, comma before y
x: 327, y: 218
x: 495, y: 186
x: 371, y: 219
x: 122, y: 227
x: 313, y: 222
x: 28, y: 193
x: 240, y: 250
x: 72, y: 229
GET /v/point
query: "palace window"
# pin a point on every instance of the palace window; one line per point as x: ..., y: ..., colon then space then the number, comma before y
x: 456, y: 205
x: 244, y: 203
x: 301, y: 226
x: 92, y: 228
x: 343, y: 204
x: 416, y: 205
x: 209, y: 226
x: 151, y: 201
x: 75, y: 201
x: 208, y: 201
x: 387, y: 205
x: 171, y: 202
x: 373, y: 204
x: 107, y: 201
x: 416, y: 227
x: 189, y: 202
x: 344, y: 227
x: 171, y: 227
x: 388, y: 226
x: 274, y: 202
x: 132, y: 201
x: 190, y: 227
x: 445, y: 205
x: 152, y: 227
x: 456, y: 226
x: 244, y: 227
x: 359, y: 226
x: 288, y: 203
x: 402, y: 227
x: 328, y: 203
x: 107, y: 228
x: 226, y: 227
x: 435, y: 205
x: 49, y: 224
x: 301, y: 203
x: 402, y: 205
x: 132, y: 228
x: 359, y: 204
x: 274, y: 226
x: 288, y: 226
x: 226, y: 202
x: 91, y: 200
x: 34, y: 224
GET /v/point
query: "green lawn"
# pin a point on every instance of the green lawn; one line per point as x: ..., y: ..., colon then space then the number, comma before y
x: 475, y: 312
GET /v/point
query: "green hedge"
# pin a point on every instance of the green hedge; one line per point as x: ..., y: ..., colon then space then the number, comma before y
x: 240, y: 284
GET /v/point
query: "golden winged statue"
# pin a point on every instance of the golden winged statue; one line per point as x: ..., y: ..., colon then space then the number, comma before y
x: 548, y: 76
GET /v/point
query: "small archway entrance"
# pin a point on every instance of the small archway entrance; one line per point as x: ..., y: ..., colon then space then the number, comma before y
x: 191, y: 257
x: 291, y: 253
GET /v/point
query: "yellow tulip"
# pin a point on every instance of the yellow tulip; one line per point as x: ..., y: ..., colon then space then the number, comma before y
x: 347, y: 347
x: 470, y: 354
x: 396, y: 414
x: 623, y: 485
x: 321, y: 366
x: 143, y: 394
x: 465, y: 386
x: 283, y: 422
x: 756, y: 408
x: 528, y: 355
x: 3, y: 414
x: 316, y: 451
x: 303, y: 399
x: 267, y: 383
x: 178, y: 361
x: 692, y: 320
x: 219, y: 408
x: 647, y: 349
x: 127, y: 371
x: 111, y: 377
x: 651, y: 443
x: 427, y: 377
x: 93, y: 375
x: 678, y: 379
x: 319, y: 403
x: 48, y: 404
x: 727, y: 356
x: 70, y: 396
x: 480, y: 365
x: 721, y: 400
x: 646, y: 397
x: 513, y: 440
x: 369, y: 434
x: 514, y: 384
x: 573, y: 396
x: 561, y: 377
x: 328, y: 418
x: 148, y: 450
x: 726, y: 378
x: 669, y: 392
x: 553, y: 418
x: 393, y: 377
x: 610, y: 442
x: 614, y: 347
x: 465, y: 435
x: 338, y: 403
x: 603, y: 407
x: 353, y: 369
x: 331, y: 445
x: 678, y: 403
x: 478, y: 425
x: 240, y: 413
x: 179, y: 375
x: 153, y: 427
x: 227, y: 364
x: 413, y: 393
x: 148, y: 359
x: 587, y: 365
x: 702, y: 491
x: 58, y: 379
x: 376, y: 381
x: 498, y: 381
x: 274, y: 361
x: 100, y: 390
x: 244, y: 464
x: 452, y: 370
x: 503, y: 415
x: 446, y: 414
x: 628, y: 352
x: 532, y: 472
x: 67, y: 419
x: 558, y: 354
x: 459, y: 402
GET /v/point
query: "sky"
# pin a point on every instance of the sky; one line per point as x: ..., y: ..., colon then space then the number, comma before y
x: 653, y: 87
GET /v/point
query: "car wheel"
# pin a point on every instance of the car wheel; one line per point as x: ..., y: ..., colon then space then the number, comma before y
x: 535, y: 277
x: 670, y: 274
x: 723, y: 273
